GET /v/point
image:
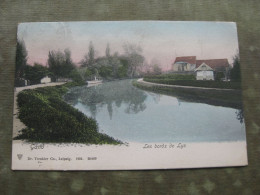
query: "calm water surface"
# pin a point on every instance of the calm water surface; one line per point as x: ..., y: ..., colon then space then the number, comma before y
x: 134, y: 115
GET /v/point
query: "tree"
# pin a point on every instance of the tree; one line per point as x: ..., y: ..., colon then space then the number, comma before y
x: 134, y: 57
x: 108, y: 51
x: 60, y: 63
x: 68, y: 65
x: 157, y: 69
x: 105, y: 71
x: 84, y: 62
x: 147, y: 68
x: 90, y: 61
x: 235, y: 74
x: 88, y: 73
x: 76, y: 77
x: 219, y: 76
x: 35, y: 73
x: 115, y: 62
x: 21, y: 59
x: 91, y: 54
x: 55, y: 62
x: 122, y: 71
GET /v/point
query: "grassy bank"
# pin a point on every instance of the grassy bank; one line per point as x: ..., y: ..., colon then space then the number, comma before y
x: 231, y: 99
x: 196, y: 83
x: 49, y: 119
x: 172, y: 77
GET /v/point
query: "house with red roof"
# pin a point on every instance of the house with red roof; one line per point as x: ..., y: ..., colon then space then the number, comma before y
x: 184, y: 63
x: 204, y: 69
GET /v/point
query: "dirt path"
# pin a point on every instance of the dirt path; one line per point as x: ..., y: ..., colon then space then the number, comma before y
x: 17, y: 124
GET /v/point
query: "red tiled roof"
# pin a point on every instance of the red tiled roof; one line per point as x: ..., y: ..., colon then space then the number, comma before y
x: 189, y: 59
x: 214, y: 63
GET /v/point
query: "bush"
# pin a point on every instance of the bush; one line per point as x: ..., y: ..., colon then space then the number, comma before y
x: 105, y: 71
x: 235, y: 73
x: 75, y: 76
x: 219, y: 76
x: 172, y: 77
x: 35, y: 73
x: 197, y: 83
x: 49, y: 119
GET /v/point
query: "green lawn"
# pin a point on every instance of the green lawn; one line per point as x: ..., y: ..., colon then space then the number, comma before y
x: 189, y: 80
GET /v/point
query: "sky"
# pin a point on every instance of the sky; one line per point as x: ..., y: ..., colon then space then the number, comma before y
x: 161, y: 41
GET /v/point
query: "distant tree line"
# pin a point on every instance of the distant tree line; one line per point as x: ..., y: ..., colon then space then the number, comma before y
x: 112, y: 66
x: 130, y: 64
x: 60, y: 64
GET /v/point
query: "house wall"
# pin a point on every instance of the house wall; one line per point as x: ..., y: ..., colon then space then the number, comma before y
x: 183, y: 67
x: 192, y: 66
x: 46, y: 80
x: 175, y: 67
x: 205, y: 75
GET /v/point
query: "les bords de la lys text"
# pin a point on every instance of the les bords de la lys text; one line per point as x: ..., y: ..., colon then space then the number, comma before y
x: 146, y: 146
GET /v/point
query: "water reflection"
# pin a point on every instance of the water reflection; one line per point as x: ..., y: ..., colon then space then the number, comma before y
x: 131, y: 114
x: 240, y: 115
x: 109, y: 94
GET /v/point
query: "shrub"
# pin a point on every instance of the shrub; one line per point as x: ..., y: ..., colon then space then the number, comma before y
x: 172, y: 77
x: 49, y: 119
x: 197, y: 83
x: 219, y: 76
x: 235, y: 73
x: 75, y: 76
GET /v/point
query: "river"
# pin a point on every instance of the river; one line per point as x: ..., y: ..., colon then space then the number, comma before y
x: 134, y: 115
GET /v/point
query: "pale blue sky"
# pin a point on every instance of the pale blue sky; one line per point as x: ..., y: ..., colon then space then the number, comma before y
x: 160, y: 40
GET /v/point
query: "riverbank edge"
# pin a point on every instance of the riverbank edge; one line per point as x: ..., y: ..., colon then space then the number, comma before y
x: 66, y: 87
x: 213, y: 96
x: 201, y: 84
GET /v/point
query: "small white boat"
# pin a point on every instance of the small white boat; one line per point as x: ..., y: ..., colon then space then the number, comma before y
x: 95, y: 81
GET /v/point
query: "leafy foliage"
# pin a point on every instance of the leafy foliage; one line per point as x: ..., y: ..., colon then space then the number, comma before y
x: 197, y: 83
x: 21, y: 58
x: 235, y: 74
x: 157, y: 70
x: 91, y: 55
x: 35, y: 73
x: 108, y: 51
x: 49, y: 119
x: 89, y: 58
x: 76, y: 77
x: 172, y: 77
x: 105, y: 71
x: 219, y: 76
x: 60, y: 63
x: 113, y: 66
x: 134, y: 57
x: 122, y: 70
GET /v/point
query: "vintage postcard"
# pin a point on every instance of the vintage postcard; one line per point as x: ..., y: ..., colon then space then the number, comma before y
x: 124, y: 95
